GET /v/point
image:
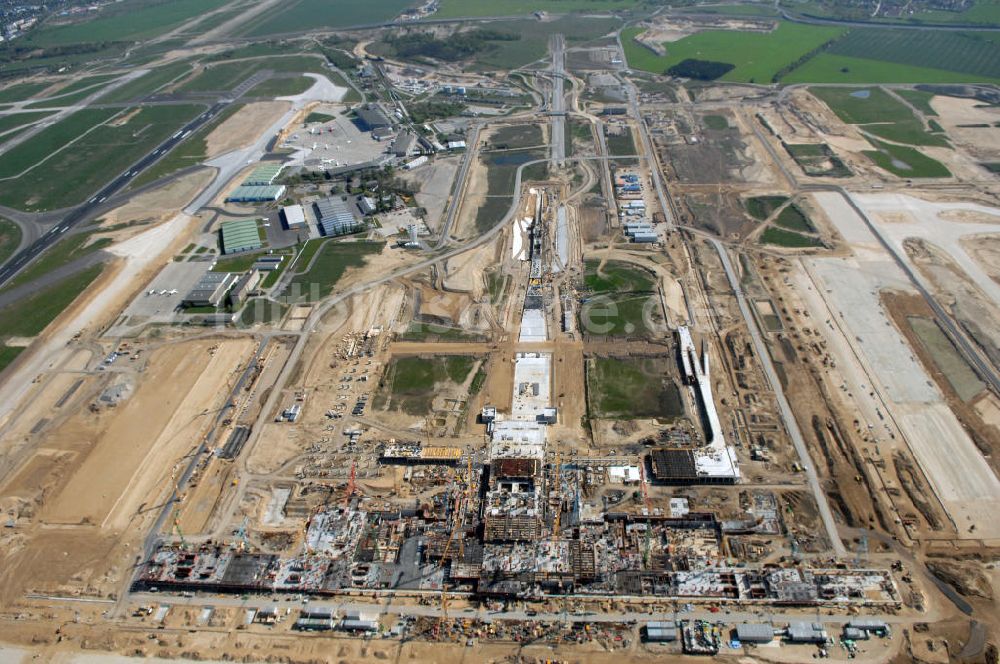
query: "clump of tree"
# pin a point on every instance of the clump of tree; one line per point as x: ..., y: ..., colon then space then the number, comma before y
x: 458, y: 46
x: 702, y: 70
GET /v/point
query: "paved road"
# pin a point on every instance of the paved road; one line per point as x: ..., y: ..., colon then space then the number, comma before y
x: 90, y: 208
x: 947, y: 27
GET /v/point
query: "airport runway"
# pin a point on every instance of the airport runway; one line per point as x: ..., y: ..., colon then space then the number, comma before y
x: 89, y: 209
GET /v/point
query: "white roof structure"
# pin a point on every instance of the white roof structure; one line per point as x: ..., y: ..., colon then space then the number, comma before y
x: 533, y: 326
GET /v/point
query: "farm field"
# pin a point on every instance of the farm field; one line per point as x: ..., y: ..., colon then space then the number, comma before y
x: 84, y: 166
x: 616, y: 277
x: 906, y: 162
x: 133, y: 20
x: 331, y: 262
x: 830, y: 68
x: 970, y: 53
x: 632, y: 388
x: 473, y: 8
x: 758, y: 57
x: 876, y: 112
x: 305, y: 15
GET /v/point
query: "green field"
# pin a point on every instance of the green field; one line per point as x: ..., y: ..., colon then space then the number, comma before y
x: 758, y: 57
x: 410, y: 383
x: 534, y: 39
x: 716, y: 122
x: 829, y: 68
x: 51, y: 139
x: 974, y: 54
x: 228, y: 75
x: 21, y: 91
x: 920, y: 100
x: 621, y: 301
x: 281, y: 87
x: 616, y: 277
x: 332, y: 260
x: 10, y: 238
x: 632, y: 388
x: 875, y: 111
x: 70, y: 98
x: 9, y: 122
x: 513, y: 137
x: 63, y: 252
x: 8, y: 354
x: 300, y: 16
x: 733, y: 10
x: 906, y: 162
x: 148, y: 83
x: 790, y: 239
x: 74, y: 92
x: 131, y: 20
x: 977, y: 12
x: 946, y: 358
x: 762, y: 207
x: 622, y: 145
x: 461, y: 8
x: 318, y: 117
x: 792, y: 218
x: 31, y: 315
x: 79, y: 170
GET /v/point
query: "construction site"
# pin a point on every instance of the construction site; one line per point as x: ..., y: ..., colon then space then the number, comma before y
x: 581, y: 376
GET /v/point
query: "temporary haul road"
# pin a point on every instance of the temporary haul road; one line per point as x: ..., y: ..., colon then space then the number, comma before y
x: 87, y: 210
x: 826, y: 514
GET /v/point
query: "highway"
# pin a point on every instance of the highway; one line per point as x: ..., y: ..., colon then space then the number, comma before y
x: 92, y: 207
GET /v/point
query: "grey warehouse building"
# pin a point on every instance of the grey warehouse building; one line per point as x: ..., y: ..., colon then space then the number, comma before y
x: 372, y: 117
x: 335, y: 217
x: 754, y: 633
x: 210, y: 290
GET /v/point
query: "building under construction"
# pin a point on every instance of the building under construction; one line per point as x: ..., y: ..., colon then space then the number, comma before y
x: 517, y: 525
